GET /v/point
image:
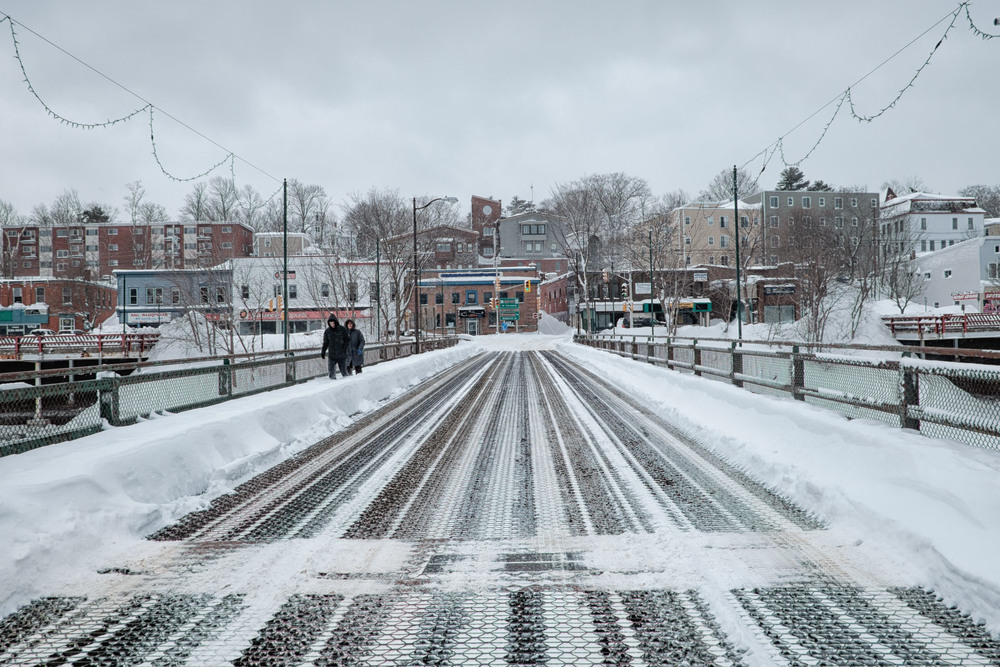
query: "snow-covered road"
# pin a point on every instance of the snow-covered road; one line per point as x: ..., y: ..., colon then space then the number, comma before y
x: 520, y: 500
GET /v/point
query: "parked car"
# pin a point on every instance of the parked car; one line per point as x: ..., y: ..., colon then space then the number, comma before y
x: 41, y: 332
x: 72, y: 332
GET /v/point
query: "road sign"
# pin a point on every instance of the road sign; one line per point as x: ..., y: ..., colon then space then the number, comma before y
x: 510, y: 317
x: 642, y: 288
x: 507, y: 304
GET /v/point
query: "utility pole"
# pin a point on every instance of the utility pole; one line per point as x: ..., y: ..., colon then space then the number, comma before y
x: 739, y: 298
x: 284, y: 252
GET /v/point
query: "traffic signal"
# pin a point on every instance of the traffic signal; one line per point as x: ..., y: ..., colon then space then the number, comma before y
x: 527, y: 285
x: 624, y: 290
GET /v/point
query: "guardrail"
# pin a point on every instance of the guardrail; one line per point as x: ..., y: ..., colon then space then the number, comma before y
x: 36, y: 411
x: 941, y: 325
x: 111, y: 345
x: 942, y: 399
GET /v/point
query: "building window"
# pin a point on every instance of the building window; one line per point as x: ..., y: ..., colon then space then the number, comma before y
x: 471, y: 297
x: 971, y: 226
x: 838, y: 202
x: 791, y: 201
x: 226, y: 245
x: 923, y: 245
x: 723, y: 222
x: 775, y: 241
x: 113, y: 231
x: 227, y: 230
x: 67, y: 296
x: 724, y: 260
x: 175, y: 295
x: 352, y: 292
x: 773, y: 221
x: 744, y: 222
x: 822, y: 202
x: 444, y: 247
x: 774, y: 202
x: 993, y: 271
x: 456, y: 297
x: 838, y: 222
x: 854, y: 222
x: 723, y: 241
x: 439, y: 299
x: 293, y: 292
x: 954, y: 223
x: 112, y: 262
x: 947, y: 273
x: 532, y: 230
x: 807, y: 202
x: 324, y: 290
x: 687, y: 240
x: 711, y: 240
x: 923, y: 224
x: 687, y: 219
x: 487, y: 231
x: 61, y: 254
x: 133, y: 296
x: 711, y: 220
x: 39, y: 294
x: 220, y: 293
x: 932, y: 245
x: 244, y: 292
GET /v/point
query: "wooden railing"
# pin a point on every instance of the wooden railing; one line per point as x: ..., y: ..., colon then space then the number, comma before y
x: 111, y: 345
x: 941, y: 325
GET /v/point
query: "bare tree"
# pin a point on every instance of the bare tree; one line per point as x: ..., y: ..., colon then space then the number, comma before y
x: 223, y: 200
x: 195, y: 206
x: 579, y: 237
x: 133, y: 199
x: 384, y: 217
x: 250, y: 206
x: 66, y: 208
x: 720, y: 189
x: 906, y: 185
x: 10, y: 244
x: 987, y: 197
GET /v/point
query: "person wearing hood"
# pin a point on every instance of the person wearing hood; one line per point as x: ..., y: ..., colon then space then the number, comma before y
x: 356, y: 354
x: 336, y: 340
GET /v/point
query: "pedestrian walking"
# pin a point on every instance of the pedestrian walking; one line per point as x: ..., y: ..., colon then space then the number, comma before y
x: 336, y: 340
x: 356, y: 351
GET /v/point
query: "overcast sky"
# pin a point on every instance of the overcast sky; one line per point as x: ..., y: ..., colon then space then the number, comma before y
x: 489, y: 98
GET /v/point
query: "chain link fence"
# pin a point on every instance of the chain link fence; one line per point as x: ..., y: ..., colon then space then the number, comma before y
x: 39, y: 408
x: 940, y: 392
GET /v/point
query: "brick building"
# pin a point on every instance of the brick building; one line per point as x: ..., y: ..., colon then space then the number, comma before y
x: 93, y: 251
x: 68, y: 303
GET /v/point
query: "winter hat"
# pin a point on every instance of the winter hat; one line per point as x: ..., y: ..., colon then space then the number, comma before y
x: 332, y: 318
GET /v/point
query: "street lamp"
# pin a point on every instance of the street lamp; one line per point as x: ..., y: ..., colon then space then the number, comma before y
x: 416, y: 269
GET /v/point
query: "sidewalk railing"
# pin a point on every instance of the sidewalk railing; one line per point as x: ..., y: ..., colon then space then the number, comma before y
x: 43, y: 407
x: 959, y: 400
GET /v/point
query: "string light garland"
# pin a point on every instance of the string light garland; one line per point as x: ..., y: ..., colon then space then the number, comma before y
x: 777, y: 146
x: 148, y: 106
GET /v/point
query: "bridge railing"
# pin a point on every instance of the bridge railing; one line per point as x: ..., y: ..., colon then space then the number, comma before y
x: 95, y: 345
x: 959, y: 400
x: 39, y: 408
x: 935, y: 326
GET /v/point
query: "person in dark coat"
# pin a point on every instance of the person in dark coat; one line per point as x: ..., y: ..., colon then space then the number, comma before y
x: 356, y: 352
x: 336, y: 340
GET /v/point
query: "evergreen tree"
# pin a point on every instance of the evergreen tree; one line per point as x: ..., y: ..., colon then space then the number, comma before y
x: 792, y: 178
x: 820, y: 186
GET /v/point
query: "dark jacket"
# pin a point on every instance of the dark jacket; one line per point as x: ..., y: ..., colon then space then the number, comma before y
x: 337, y: 340
x: 357, y: 346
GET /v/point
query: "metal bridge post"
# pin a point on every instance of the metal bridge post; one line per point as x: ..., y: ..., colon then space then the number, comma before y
x: 909, y: 380
x: 798, y: 374
x: 226, y: 378
x: 737, y: 356
x: 697, y: 356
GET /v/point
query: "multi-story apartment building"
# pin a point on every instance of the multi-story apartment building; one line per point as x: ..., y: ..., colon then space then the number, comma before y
x: 95, y: 251
x: 924, y: 222
x: 795, y: 223
x: 707, y: 235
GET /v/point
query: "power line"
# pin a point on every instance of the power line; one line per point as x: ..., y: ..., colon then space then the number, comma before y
x: 148, y: 106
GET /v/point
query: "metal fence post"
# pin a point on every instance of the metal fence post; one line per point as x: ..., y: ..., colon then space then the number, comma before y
x: 697, y: 356
x: 798, y: 374
x: 909, y: 379
x: 290, y: 368
x: 737, y: 356
x: 670, y: 354
x: 226, y: 378
x: 108, y: 396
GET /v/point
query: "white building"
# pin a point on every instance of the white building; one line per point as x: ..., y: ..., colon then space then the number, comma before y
x: 966, y: 273
x: 931, y: 221
x: 318, y: 285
